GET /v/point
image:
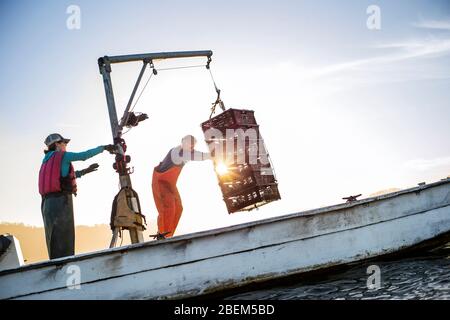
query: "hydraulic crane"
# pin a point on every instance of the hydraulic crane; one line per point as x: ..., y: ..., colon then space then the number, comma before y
x: 126, y: 211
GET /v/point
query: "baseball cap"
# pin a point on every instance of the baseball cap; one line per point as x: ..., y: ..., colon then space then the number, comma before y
x: 53, y: 138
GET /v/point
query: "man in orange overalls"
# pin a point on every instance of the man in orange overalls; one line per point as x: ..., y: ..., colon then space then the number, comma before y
x: 164, y: 185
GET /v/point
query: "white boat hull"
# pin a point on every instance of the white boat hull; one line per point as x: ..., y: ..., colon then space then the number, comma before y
x: 214, y: 260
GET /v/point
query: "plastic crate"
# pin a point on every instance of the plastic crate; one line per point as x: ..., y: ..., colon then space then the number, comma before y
x: 233, y: 151
x: 231, y: 119
x: 231, y: 188
x: 252, y: 198
x: 235, y: 182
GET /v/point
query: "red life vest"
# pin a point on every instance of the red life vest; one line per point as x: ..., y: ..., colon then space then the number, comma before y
x: 50, y: 179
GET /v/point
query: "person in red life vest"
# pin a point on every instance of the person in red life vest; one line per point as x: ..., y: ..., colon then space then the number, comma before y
x: 164, y: 185
x: 57, y: 183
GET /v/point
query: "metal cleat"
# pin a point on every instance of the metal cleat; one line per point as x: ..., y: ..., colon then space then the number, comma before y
x: 159, y: 236
x: 352, y: 198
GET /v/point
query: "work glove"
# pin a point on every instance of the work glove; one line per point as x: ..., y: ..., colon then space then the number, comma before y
x: 111, y: 148
x: 91, y: 168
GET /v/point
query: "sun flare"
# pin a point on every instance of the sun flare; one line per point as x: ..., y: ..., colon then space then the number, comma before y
x: 221, y: 168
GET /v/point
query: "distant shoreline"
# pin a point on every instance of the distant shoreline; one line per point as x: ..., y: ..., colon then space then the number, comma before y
x: 87, y: 238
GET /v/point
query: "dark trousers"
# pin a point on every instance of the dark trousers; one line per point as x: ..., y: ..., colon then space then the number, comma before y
x: 57, y: 212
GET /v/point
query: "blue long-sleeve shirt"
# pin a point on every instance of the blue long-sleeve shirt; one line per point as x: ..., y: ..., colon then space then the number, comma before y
x: 74, y: 156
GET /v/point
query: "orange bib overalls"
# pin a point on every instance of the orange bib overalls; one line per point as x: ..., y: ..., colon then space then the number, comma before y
x: 167, y: 199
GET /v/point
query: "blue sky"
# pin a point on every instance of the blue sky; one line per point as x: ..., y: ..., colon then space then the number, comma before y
x: 343, y: 109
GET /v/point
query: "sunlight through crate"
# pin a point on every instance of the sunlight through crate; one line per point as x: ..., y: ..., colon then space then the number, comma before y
x: 241, y: 161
